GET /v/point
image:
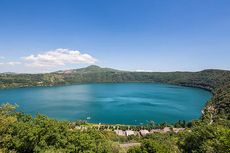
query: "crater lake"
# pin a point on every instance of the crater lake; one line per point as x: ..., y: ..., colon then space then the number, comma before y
x: 112, y: 103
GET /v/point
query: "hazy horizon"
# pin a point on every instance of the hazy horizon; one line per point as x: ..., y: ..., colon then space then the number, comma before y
x: 159, y: 36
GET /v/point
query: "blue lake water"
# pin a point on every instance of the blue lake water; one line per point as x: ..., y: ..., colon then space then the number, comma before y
x: 124, y: 103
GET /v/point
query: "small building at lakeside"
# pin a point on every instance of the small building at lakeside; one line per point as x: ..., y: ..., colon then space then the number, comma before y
x: 176, y: 130
x: 129, y: 132
x: 144, y: 132
x: 166, y: 129
x: 156, y: 131
x: 120, y: 132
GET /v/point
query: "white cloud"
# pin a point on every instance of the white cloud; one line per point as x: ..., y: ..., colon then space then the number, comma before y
x: 59, y: 57
x: 143, y: 70
x: 13, y: 63
x: 10, y: 63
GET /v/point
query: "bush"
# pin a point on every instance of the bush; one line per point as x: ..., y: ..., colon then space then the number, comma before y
x: 206, y: 138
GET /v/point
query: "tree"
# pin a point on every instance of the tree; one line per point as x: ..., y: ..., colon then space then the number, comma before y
x: 25, y: 134
x: 206, y: 138
x: 151, y: 146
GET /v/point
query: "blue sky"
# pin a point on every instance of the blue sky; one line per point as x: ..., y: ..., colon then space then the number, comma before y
x: 153, y: 35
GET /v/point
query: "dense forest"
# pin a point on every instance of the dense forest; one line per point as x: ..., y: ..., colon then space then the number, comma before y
x: 20, y: 132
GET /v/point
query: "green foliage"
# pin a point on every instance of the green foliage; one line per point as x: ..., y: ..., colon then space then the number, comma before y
x: 206, y: 139
x: 151, y: 146
x: 6, y: 117
x: 41, y: 134
x: 135, y: 150
x: 180, y: 124
x: 157, y: 143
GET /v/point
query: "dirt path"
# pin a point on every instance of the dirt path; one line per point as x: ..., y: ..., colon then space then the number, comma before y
x: 127, y: 145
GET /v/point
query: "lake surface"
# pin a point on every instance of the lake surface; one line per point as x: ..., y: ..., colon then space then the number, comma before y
x: 124, y: 103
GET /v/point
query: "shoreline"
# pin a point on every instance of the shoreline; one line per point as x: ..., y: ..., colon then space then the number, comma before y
x: 115, y: 124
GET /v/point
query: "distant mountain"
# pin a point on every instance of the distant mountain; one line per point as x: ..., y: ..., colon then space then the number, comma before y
x: 89, y: 69
x: 209, y: 79
x: 8, y: 73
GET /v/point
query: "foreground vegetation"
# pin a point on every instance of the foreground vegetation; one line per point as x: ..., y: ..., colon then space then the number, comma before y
x: 211, y: 133
x: 22, y: 133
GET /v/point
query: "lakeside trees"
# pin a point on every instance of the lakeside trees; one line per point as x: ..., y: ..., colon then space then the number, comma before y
x: 206, y: 138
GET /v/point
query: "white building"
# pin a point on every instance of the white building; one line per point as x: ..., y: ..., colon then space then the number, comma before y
x: 176, y: 130
x: 120, y: 132
x: 144, y: 132
x: 166, y: 129
x: 129, y: 132
x: 156, y: 131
